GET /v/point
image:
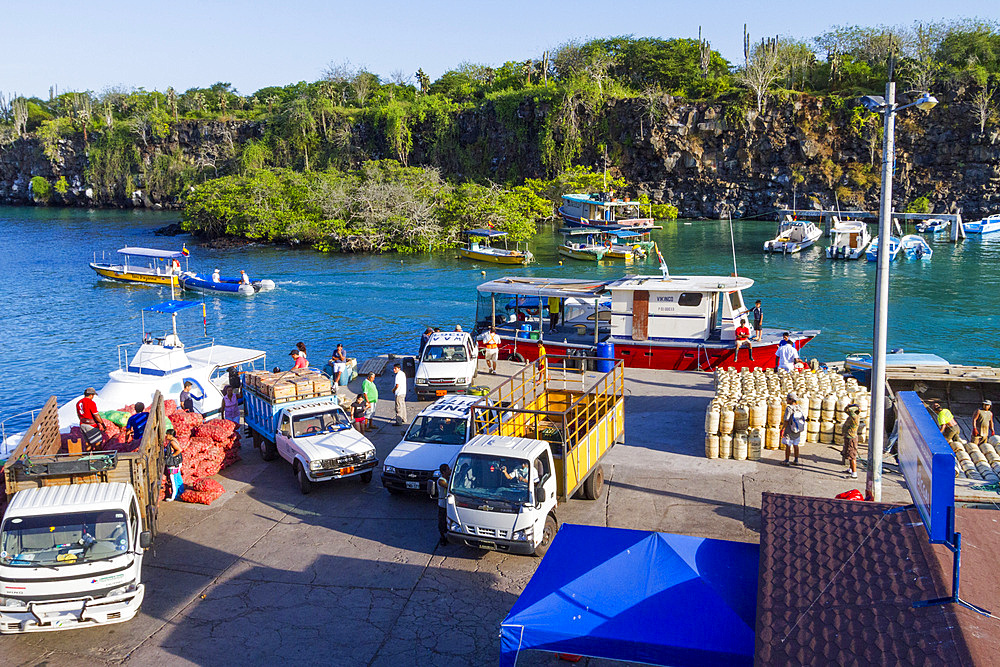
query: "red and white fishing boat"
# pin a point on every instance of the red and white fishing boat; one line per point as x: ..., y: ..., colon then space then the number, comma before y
x: 666, y: 322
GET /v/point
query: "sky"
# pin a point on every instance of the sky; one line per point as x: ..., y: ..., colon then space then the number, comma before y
x: 194, y: 43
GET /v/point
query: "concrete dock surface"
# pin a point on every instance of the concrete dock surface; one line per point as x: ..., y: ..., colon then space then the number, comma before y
x: 352, y: 575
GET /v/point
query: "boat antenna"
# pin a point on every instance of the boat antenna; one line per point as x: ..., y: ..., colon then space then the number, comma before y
x: 732, y: 243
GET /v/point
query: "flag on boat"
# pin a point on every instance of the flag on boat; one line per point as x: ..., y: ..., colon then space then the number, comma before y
x: 184, y: 250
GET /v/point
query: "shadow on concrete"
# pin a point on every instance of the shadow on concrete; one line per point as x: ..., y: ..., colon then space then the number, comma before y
x: 747, y: 515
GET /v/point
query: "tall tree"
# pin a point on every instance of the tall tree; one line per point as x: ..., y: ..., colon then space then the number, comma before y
x: 762, y: 67
x: 301, y: 123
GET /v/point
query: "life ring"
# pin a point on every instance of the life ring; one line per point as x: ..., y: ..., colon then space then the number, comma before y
x: 516, y: 357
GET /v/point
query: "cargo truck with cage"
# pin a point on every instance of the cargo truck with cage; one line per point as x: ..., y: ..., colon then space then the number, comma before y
x: 524, y: 461
x: 76, y: 527
x: 295, y: 415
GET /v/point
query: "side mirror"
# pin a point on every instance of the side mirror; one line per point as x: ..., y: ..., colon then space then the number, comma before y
x: 145, y: 539
x: 539, y: 492
x: 432, y: 487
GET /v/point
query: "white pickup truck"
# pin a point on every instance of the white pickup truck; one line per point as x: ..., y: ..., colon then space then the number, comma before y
x: 447, y: 365
x: 312, y: 433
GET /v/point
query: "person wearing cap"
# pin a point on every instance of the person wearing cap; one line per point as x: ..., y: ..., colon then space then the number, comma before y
x: 215, y: 277
x: 92, y: 425
x: 793, y: 428
x: 300, y: 360
x: 946, y: 422
x: 849, y: 453
x: 982, y: 423
x: 787, y: 354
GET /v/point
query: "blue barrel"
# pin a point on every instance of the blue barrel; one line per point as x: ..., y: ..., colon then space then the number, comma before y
x: 606, y: 357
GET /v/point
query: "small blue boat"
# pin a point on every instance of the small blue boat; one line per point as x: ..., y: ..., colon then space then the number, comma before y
x: 217, y: 284
x: 933, y: 226
x: 893, y: 249
x: 987, y: 225
x: 915, y: 247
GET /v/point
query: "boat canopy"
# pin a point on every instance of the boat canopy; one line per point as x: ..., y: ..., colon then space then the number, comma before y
x: 556, y: 287
x: 171, y: 307
x: 154, y: 253
x: 680, y: 283
x: 625, y: 233
x: 488, y: 233
x: 223, y: 356
x: 580, y: 231
x: 599, y: 198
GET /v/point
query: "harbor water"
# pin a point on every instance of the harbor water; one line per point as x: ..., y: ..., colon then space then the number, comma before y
x: 61, y: 325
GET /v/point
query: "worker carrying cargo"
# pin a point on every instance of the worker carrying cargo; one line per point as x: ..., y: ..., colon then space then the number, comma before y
x: 92, y: 425
x: 982, y: 422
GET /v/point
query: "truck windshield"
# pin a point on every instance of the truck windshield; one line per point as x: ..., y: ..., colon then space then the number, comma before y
x: 323, y: 422
x: 443, y: 430
x: 445, y: 353
x: 63, y: 539
x: 487, y: 477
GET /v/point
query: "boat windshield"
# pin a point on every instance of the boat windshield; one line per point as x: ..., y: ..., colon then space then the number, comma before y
x: 54, y: 540
x: 485, y: 477
x: 445, y: 353
x: 321, y: 422
x: 440, y: 430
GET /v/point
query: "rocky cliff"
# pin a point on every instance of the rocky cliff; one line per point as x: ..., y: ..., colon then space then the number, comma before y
x: 708, y: 159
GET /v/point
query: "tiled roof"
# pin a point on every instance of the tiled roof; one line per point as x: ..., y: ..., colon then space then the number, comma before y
x: 838, y: 580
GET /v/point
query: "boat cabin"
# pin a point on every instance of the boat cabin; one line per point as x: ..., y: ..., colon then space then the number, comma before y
x: 602, y: 208
x: 689, y: 307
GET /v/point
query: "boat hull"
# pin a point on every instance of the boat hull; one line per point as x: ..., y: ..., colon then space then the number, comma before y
x: 125, y: 276
x: 585, y: 255
x: 631, y: 223
x: 196, y: 283
x: 786, y: 247
x: 493, y: 258
x: 676, y: 356
x: 982, y: 227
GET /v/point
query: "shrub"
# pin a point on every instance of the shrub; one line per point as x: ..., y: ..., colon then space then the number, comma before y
x: 41, y: 190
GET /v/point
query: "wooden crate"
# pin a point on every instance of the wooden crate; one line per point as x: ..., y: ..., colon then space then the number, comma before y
x: 282, y: 390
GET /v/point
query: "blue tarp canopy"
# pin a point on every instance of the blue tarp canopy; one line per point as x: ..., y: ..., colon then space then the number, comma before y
x: 171, y: 307
x: 624, y: 233
x: 152, y: 252
x: 491, y: 233
x: 647, y: 597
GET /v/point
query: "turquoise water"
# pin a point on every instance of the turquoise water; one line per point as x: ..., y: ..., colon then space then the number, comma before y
x: 60, y: 324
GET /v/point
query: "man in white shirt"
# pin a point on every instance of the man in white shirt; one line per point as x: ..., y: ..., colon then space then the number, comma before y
x: 491, y: 349
x: 399, y: 392
x: 215, y: 276
x: 787, y: 354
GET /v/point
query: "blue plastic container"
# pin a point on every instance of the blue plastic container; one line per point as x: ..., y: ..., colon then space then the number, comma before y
x: 606, y: 357
x: 526, y: 327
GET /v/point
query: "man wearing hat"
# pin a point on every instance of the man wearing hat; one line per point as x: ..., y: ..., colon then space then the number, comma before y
x: 91, y: 423
x: 945, y: 421
x: 982, y: 423
x: 793, y: 428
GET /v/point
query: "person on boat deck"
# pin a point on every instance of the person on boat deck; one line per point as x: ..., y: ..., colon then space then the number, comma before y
x: 946, y: 422
x: 339, y: 362
x: 175, y: 267
x: 187, y: 399
x: 244, y: 278
x: 743, y: 340
x: 300, y: 360
x: 555, y: 306
x: 982, y: 422
x: 787, y: 354
x: 758, y: 319
x: 92, y: 425
x: 136, y: 424
x: 215, y: 276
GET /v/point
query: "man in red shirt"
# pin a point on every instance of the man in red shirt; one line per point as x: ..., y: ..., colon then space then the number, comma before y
x: 91, y: 423
x: 743, y: 340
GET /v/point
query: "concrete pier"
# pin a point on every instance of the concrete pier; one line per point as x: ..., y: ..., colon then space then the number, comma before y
x: 352, y: 575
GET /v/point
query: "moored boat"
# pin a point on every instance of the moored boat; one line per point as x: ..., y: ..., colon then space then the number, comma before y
x: 915, y: 247
x: 628, y: 244
x: 850, y: 240
x: 892, y: 249
x: 479, y: 247
x: 793, y: 236
x: 149, y: 266
x: 934, y: 226
x: 195, y: 283
x: 668, y: 322
x: 601, y: 210
x: 582, y: 243
x: 987, y: 225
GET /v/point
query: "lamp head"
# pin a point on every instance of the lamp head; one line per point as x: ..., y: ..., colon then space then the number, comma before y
x: 926, y: 102
x: 875, y: 103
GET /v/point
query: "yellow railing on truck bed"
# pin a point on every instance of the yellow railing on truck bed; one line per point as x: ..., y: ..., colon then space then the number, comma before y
x: 580, y: 413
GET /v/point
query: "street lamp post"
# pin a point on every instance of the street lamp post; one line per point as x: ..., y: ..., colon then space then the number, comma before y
x: 876, y: 421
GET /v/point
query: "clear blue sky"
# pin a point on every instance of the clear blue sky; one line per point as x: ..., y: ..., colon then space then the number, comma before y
x: 252, y: 44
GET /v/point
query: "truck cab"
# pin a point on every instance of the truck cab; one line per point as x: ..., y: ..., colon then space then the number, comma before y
x: 447, y: 364
x: 433, y: 438
x: 502, y: 495
x: 71, y: 556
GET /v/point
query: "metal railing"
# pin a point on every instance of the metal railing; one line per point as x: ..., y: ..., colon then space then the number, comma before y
x: 125, y: 355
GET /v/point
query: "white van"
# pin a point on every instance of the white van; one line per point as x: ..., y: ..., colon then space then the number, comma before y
x: 434, y: 437
x: 448, y: 364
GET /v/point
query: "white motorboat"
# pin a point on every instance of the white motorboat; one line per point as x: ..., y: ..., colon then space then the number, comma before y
x: 987, y: 225
x: 915, y: 247
x: 850, y: 240
x: 793, y: 236
x: 933, y: 226
x: 161, y: 364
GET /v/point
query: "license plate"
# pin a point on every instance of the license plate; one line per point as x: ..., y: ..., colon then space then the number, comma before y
x: 347, y: 471
x: 413, y: 485
x: 488, y: 545
x: 441, y: 392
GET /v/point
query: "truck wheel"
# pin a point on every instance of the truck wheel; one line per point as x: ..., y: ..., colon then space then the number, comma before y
x: 547, y: 534
x: 594, y: 485
x: 366, y: 477
x: 267, y: 449
x: 305, y: 484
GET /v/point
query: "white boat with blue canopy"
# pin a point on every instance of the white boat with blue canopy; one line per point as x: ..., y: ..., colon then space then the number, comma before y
x: 892, y: 249
x: 915, y: 247
x: 601, y: 210
x: 149, y: 266
x: 987, y: 225
x: 160, y: 363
